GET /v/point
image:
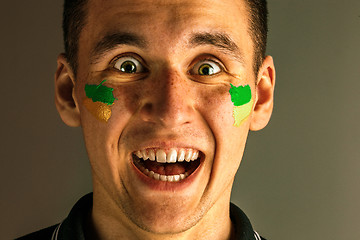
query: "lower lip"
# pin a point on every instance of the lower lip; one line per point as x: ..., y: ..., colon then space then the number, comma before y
x: 158, y: 185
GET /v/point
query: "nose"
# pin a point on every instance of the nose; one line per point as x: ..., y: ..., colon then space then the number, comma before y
x: 168, y: 101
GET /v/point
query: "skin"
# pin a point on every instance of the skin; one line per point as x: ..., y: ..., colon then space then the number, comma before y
x: 168, y: 106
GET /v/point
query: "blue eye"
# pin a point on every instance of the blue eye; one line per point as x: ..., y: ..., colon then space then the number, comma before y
x: 206, y: 68
x: 128, y: 65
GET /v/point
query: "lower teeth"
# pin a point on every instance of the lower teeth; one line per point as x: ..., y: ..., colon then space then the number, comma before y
x: 164, y: 178
x: 157, y: 176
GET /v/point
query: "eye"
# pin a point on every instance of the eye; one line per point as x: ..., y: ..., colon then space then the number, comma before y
x: 206, y: 68
x: 129, y: 65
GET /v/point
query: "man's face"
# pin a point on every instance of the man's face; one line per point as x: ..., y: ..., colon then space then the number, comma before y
x: 170, y: 64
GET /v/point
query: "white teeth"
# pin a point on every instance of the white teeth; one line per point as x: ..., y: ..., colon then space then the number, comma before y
x: 181, y: 157
x: 144, y: 155
x: 157, y: 176
x: 195, y: 155
x: 164, y: 178
x: 170, y: 178
x: 188, y: 155
x: 151, y: 155
x: 171, y: 156
x: 160, y: 156
x: 138, y: 154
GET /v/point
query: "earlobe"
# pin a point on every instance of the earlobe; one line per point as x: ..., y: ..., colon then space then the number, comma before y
x: 264, y: 95
x: 64, y: 93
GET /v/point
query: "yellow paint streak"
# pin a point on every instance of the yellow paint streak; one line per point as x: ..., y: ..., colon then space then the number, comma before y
x: 241, y: 113
x: 100, y: 110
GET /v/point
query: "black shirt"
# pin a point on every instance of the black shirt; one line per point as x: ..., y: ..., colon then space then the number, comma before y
x: 72, y: 228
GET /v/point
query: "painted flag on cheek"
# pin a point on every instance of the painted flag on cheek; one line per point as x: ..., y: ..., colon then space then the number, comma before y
x: 243, y: 102
x: 99, y: 100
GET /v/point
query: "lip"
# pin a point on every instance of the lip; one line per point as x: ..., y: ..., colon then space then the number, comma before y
x: 157, y: 185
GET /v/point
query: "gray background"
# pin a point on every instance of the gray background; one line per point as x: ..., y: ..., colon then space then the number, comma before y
x: 299, y: 177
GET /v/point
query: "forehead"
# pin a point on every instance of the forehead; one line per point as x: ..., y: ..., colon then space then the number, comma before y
x: 170, y: 21
x: 168, y: 11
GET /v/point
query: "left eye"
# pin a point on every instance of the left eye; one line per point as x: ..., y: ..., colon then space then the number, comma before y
x: 128, y: 65
x: 206, y: 68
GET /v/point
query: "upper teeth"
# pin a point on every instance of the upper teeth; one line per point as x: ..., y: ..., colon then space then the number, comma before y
x: 171, y: 156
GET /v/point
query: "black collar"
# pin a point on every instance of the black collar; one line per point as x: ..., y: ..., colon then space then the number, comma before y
x: 241, y: 223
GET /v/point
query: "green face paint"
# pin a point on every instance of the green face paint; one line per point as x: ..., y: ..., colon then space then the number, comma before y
x: 99, y: 100
x: 240, y: 95
x: 241, y: 98
x: 100, y: 93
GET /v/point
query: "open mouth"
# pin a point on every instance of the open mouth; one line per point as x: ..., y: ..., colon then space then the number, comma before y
x: 174, y: 165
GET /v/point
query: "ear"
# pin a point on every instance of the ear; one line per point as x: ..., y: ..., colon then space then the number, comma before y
x: 264, y: 95
x: 65, y: 93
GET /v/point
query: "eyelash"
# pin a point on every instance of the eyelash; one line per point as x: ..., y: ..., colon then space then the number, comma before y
x: 198, y: 61
x: 207, y: 59
x: 129, y: 55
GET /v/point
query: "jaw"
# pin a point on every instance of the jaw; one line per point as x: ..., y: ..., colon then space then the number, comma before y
x: 152, y: 206
x: 162, y: 206
x: 148, y: 213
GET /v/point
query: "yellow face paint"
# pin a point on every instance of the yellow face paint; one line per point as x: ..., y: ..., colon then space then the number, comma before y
x: 243, y: 103
x: 241, y: 113
x: 100, y: 110
x: 99, y: 101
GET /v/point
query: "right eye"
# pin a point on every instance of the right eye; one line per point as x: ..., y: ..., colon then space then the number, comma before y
x: 128, y: 65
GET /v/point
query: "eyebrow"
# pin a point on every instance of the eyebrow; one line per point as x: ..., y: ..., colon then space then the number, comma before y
x: 111, y: 41
x: 222, y: 41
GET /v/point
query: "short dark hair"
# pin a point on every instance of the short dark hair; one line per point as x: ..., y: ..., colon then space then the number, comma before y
x: 258, y: 22
x: 74, y: 19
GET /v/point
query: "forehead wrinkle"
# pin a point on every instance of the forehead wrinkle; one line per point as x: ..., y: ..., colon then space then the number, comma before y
x: 222, y: 41
x: 113, y: 40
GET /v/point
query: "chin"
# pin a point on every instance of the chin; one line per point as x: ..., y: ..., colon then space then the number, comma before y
x: 165, y: 219
x: 166, y: 225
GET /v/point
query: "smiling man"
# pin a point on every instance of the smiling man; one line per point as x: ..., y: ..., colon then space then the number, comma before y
x: 166, y: 93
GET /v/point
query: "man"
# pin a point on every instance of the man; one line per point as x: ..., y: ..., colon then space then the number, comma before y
x: 165, y: 92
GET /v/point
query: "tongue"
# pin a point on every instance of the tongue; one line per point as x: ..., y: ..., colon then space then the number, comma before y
x: 166, y: 168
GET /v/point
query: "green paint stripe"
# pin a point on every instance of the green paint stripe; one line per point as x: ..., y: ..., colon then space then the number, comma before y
x: 240, y: 95
x: 100, y: 93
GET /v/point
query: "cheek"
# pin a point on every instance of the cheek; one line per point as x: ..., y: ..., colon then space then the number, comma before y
x: 126, y: 104
x: 103, y: 136
x: 241, y: 97
x: 107, y: 119
x: 215, y: 105
x: 241, y: 113
x: 128, y: 97
x: 217, y: 110
x: 99, y: 101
